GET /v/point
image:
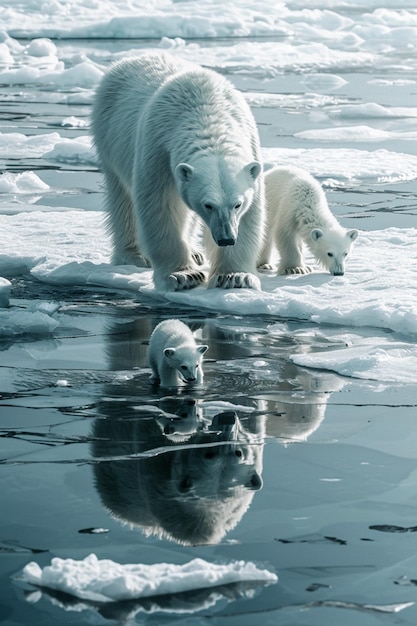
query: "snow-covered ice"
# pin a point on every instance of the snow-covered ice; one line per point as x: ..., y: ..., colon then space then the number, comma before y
x: 71, y: 248
x: 103, y: 580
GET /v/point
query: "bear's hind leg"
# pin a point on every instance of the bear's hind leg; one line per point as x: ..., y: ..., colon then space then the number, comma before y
x: 121, y: 224
x: 265, y: 256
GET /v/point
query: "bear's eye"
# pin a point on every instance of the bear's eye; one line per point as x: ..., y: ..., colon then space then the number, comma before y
x: 238, y: 205
x: 330, y: 254
x: 208, y: 206
x: 184, y: 368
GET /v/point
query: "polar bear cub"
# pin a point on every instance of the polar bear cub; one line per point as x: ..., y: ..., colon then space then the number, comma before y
x: 297, y: 213
x: 174, y: 356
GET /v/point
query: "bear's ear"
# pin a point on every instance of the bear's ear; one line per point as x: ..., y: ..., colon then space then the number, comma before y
x: 316, y: 233
x: 202, y: 349
x: 253, y: 169
x: 169, y: 352
x: 184, y: 172
x: 353, y: 234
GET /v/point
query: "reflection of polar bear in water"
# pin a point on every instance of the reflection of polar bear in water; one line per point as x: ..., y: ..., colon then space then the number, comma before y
x: 201, y: 479
x: 194, y: 494
x: 300, y: 412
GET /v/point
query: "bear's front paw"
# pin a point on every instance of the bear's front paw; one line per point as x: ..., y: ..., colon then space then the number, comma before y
x: 265, y: 267
x: 238, y: 280
x: 185, y: 279
x: 302, y: 269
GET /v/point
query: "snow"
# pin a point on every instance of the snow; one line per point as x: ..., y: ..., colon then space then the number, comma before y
x: 106, y: 581
x: 395, y: 362
x: 353, y: 133
x: 48, y: 145
x: 348, y: 164
x: 24, y: 182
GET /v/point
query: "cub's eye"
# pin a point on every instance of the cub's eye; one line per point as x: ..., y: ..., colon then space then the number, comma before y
x: 345, y: 254
x: 330, y: 254
x: 208, y: 206
x: 184, y: 368
x: 238, y: 205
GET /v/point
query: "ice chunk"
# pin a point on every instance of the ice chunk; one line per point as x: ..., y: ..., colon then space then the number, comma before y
x: 103, y: 580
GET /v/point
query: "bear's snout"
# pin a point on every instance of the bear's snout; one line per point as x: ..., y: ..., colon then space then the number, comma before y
x: 189, y: 379
x: 230, y: 241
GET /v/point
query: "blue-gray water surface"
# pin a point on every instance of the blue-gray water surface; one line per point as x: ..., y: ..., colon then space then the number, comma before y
x: 307, y: 473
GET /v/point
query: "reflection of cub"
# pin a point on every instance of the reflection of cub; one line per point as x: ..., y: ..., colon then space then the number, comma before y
x: 193, y: 494
x: 174, y: 356
x: 179, y: 418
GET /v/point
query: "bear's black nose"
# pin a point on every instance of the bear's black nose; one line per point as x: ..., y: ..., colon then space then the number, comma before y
x: 226, y: 242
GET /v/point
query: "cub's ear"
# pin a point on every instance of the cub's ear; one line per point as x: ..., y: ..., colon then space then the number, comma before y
x: 169, y: 352
x: 184, y: 172
x: 202, y: 349
x: 253, y: 169
x: 316, y: 233
x: 353, y: 234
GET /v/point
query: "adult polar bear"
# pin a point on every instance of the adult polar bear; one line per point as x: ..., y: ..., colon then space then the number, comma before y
x: 175, y: 141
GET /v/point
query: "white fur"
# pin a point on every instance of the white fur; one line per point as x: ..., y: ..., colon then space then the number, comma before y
x: 193, y: 494
x: 297, y: 213
x: 177, y: 141
x: 174, y: 356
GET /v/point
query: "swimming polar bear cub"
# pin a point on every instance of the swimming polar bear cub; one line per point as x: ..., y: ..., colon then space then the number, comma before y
x: 297, y: 213
x: 174, y: 356
x: 177, y: 144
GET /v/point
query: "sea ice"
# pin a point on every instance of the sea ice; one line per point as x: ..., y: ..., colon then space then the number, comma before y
x: 106, y: 581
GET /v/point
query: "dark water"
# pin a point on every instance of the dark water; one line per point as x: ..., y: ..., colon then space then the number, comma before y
x: 304, y: 472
